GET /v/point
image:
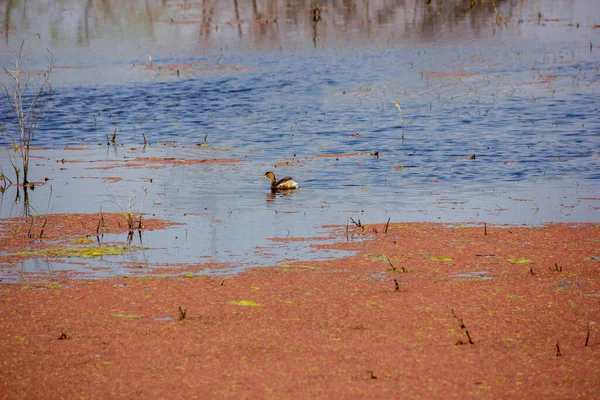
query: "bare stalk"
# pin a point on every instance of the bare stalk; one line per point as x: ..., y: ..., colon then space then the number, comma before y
x: 27, y: 93
x: 401, y: 119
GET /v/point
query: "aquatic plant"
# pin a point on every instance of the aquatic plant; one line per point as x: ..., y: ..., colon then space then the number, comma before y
x: 27, y: 93
x: 128, y: 212
x: 77, y: 251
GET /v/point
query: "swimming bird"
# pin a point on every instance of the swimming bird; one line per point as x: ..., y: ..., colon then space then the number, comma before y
x: 286, y: 183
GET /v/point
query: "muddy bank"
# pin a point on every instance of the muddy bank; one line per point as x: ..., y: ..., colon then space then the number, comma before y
x: 424, y: 310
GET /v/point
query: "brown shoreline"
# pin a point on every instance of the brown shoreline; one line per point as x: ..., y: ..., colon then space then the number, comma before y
x: 331, y: 329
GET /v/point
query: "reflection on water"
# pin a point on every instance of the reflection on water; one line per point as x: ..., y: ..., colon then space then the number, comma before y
x: 251, y: 22
x: 128, y: 30
x: 282, y: 195
x: 309, y: 89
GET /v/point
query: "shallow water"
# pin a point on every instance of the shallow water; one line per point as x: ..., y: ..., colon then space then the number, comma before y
x: 268, y: 85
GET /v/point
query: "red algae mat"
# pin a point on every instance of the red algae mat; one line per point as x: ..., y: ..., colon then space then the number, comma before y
x: 19, y: 233
x: 421, y: 311
x: 63, y: 236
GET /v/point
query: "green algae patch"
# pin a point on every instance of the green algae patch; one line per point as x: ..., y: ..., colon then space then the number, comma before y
x: 128, y: 316
x: 288, y: 266
x: 54, y: 286
x: 373, y: 257
x: 245, y: 303
x: 522, y: 299
x: 77, y: 251
x: 85, y: 240
x: 519, y: 261
x: 149, y: 277
x: 441, y: 258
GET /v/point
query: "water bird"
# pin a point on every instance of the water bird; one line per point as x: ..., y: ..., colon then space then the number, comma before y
x: 286, y: 183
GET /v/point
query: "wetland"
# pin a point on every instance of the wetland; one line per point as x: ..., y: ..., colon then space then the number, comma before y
x: 447, y: 154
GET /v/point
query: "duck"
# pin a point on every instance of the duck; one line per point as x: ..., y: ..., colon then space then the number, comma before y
x: 286, y: 183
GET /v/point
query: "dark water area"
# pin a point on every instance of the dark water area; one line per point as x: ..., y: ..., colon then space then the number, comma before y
x: 282, y: 85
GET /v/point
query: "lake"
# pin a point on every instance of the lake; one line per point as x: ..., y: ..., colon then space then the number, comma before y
x: 404, y: 111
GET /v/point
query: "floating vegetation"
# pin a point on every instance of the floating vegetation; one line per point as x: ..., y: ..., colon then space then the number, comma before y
x: 377, y: 258
x: 440, y: 258
x: 150, y: 277
x: 81, y: 252
x: 53, y: 285
x: 474, y: 276
x: 519, y: 261
x: 142, y: 162
x: 128, y: 316
x: 85, y: 240
x: 186, y: 69
x: 245, y: 303
x: 288, y: 266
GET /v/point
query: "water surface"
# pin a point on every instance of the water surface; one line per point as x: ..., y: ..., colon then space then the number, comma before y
x: 279, y: 87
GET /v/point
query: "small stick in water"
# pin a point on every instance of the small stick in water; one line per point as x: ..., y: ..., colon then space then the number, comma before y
x: 401, y: 119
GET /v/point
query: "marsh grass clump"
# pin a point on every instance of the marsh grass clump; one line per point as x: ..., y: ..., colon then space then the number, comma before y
x: 129, y: 214
x: 130, y: 224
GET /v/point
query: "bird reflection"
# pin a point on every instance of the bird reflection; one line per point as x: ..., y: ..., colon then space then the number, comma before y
x: 272, y: 195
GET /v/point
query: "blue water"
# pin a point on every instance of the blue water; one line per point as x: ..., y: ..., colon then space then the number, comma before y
x: 520, y: 95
